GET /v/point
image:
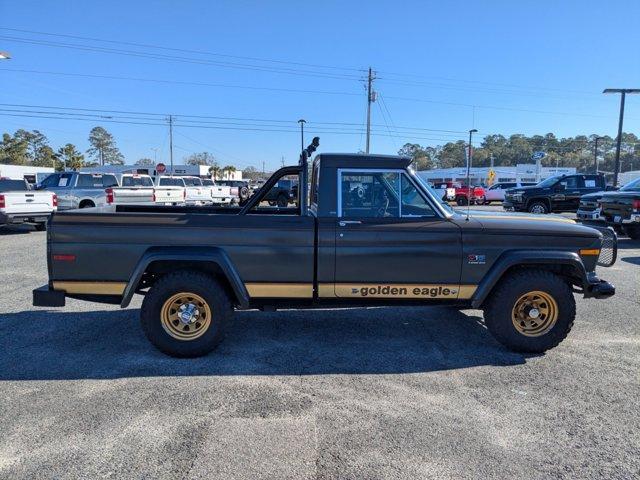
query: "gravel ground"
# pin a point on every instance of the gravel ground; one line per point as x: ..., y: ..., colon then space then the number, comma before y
x: 366, y: 393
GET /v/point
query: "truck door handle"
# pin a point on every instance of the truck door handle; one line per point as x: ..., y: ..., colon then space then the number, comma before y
x: 344, y: 223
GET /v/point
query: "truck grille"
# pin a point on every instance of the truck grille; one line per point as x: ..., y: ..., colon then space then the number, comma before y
x: 588, y: 206
x: 609, y: 249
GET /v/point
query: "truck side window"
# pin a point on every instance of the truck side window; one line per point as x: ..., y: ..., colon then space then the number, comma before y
x: 570, y: 182
x: 413, y: 204
x: 89, y: 181
x: 370, y: 195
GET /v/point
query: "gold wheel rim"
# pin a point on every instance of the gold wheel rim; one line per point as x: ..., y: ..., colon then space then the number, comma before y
x: 185, y: 316
x: 534, y: 313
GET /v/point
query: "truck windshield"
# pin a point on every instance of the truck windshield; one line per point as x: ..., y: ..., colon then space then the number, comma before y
x: 137, y: 182
x: 171, y: 182
x: 548, y: 182
x: 192, y: 182
x: 434, y: 195
x: 633, y: 186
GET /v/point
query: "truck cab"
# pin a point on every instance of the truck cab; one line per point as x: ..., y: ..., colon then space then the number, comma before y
x: 367, y: 231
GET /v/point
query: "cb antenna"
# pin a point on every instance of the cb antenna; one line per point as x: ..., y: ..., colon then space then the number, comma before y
x: 469, y: 162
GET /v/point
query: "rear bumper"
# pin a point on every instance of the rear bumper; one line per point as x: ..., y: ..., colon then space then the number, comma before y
x: 633, y: 219
x: 46, y: 297
x: 38, y: 217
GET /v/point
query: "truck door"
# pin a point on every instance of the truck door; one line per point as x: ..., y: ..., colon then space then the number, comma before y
x: 570, y: 198
x: 391, y: 241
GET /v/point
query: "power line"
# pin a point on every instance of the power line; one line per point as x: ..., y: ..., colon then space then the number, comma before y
x: 200, y: 52
x: 132, y: 53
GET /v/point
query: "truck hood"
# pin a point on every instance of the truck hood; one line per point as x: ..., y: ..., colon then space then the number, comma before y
x: 528, y: 224
x: 527, y: 190
x: 620, y: 194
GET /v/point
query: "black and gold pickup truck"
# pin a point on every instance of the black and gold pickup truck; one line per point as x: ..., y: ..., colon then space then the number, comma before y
x: 366, y: 230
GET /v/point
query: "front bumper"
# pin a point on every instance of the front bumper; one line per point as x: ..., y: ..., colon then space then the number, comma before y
x: 596, y: 288
x: 633, y: 219
x: 589, y: 215
x: 511, y: 206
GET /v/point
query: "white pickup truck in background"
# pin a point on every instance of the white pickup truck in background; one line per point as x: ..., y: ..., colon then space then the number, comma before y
x: 138, y: 189
x: 19, y: 204
x: 197, y: 193
x: 220, y: 194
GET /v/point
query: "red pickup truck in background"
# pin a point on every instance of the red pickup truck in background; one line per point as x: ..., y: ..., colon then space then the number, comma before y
x: 455, y: 191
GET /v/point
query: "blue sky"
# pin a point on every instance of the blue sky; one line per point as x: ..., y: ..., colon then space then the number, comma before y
x: 527, y: 67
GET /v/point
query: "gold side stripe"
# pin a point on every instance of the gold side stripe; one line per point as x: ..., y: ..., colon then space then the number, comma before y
x: 394, y: 290
x: 280, y: 290
x: 91, y: 288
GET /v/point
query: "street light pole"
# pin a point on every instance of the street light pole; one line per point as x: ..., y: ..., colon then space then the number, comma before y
x: 595, y: 154
x: 623, y: 93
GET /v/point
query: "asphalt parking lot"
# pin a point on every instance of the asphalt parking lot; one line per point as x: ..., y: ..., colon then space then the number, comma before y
x: 366, y: 393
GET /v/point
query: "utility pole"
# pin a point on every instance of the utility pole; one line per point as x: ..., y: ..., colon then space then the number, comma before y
x: 370, y: 99
x: 623, y: 93
x: 263, y: 168
x: 595, y: 154
x: 469, y: 162
x: 171, y: 142
x: 155, y: 155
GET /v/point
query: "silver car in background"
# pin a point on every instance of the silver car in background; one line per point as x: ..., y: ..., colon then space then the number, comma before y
x: 79, y: 190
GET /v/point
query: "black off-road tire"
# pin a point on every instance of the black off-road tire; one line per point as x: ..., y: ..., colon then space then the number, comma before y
x: 633, y: 232
x: 200, y: 284
x: 503, y: 298
x: 462, y: 201
x: 282, y: 201
x: 243, y: 193
x: 538, y: 207
x: 86, y: 204
x: 41, y: 227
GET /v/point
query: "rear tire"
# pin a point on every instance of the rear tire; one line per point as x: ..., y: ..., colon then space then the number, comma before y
x: 462, y: 201
x: 41, y: 227
x: 166, y: 300
x: 538, y: 208
x: 530, y: 311
x: 633, y: 232
x: 86, y: 204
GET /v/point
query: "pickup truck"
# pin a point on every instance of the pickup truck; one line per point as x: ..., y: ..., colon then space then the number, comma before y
x: 239, y: 188
x: 220, y: 194
x: 555, y: 194
x: 369, y: 232
x: 622, y: 208
x: 169, y: 191
x: 139, y: 189
x: 77, y: 189
x: 19, y: 204
x: 495, y: 193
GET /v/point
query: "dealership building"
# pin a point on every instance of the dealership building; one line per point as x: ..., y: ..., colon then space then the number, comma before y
x: 523, y: 172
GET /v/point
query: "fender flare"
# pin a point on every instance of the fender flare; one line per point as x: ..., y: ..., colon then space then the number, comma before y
x: 213, y: 255
x: 525, y: 257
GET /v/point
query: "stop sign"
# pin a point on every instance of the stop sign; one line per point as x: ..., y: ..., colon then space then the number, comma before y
x: 161, y: 168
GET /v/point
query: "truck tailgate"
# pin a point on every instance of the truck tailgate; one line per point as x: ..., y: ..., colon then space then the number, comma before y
x: 27, y: 202
x: 169, y: 195
x: 133, y: 196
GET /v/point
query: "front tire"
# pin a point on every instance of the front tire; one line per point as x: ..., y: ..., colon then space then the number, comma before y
x: 282, y: 201
x: 462, y: 201
x: 530, y: 311
x: 538, y: 208
x: 185, y: 314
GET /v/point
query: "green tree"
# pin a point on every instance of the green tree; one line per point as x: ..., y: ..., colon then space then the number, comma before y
x: 422, y: 157
x: 13, y: 150
x: 214, y: 171
x: 69, y: 157
x: 203, y: 158
x: 103, y: 148
x: 228, y: 170
x: 145, y: 162
x: 452, y: 155
x: 45, y: 157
